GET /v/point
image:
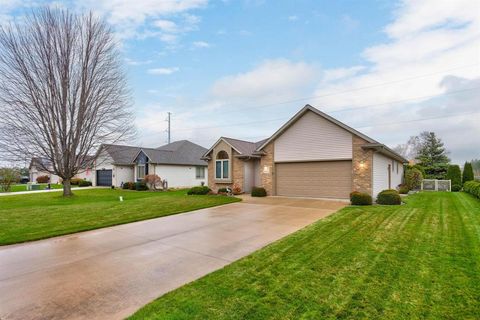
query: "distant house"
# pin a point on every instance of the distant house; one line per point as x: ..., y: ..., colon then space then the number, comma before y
x: 312, y: 155
x: 179, y: 163
x: 41, y: 167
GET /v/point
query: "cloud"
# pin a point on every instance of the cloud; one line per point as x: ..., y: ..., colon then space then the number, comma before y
x: 163, y: 71
x: 201, y: 44
x: 166, y: 25
x: 292, y: 18
x: 133, y: 62
x: 147, y: 18
x: 270, y: 78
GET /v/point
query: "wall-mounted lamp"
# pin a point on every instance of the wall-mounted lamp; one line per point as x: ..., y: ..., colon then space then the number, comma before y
x: 362, y: 164
x: 266, y: 169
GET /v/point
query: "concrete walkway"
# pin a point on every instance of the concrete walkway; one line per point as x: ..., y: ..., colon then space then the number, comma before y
x: 43, y: 191
x: 111, y: 272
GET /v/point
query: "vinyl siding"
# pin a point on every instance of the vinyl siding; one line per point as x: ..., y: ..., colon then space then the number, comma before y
x: 179, y: 176
x: 313, y: 138
x: 380, y: 173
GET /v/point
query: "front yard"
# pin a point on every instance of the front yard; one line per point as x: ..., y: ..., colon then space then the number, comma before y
x: 419, y: 260
x: 43, y: 215
x: 23, y: 187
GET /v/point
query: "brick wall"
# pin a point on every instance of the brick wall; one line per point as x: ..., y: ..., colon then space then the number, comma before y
x: 362, y: 167
x: 267, y: 178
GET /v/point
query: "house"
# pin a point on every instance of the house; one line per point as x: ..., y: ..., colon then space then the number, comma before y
x: 179, y: 163
x: 312, y: 155
x: 41, y: 167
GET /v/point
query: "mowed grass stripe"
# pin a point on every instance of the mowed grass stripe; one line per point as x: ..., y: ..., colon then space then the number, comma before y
x: 418, y: 260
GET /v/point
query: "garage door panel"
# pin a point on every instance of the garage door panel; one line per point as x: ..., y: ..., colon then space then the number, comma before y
x: 104, y: 178
x: 321, y: 179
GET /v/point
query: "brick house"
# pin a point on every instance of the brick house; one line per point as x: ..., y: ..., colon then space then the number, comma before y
x: 312, y: 155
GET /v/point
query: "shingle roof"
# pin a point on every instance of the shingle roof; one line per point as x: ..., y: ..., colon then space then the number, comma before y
x: 181, y: 152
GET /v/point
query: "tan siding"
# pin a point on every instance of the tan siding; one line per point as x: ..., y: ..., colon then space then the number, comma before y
x: 324, y: 179
x: 313, y: 138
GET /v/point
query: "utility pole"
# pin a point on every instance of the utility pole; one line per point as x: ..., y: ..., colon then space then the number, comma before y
x: 168, y: 129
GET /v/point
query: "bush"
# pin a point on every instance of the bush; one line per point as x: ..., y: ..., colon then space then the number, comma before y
x: 389, y: 197
x: 75, y: 181
x: 360, y: 199
x: 413, y: 179
x: 201, y: 190
x: 43, y: 179
x: 456, y: 187
x: 259, y: 192
x: 455, y: 175
x: 468, y: 172
x: 141, y: 186
x: 222, y: 190
x: 129, y: 186
x: 85, y: 183
x: 472, y: 187
x: 403, y: 189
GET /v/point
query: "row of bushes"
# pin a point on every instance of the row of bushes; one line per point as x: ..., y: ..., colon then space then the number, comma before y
x: 139, y: 186
x: 472, y: 187
x: 387, y: 197
x: 203, y: 190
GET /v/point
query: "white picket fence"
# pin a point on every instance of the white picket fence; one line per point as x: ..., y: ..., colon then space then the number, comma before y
x: 436, y: 185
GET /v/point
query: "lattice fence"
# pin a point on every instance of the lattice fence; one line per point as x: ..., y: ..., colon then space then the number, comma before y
x: 436, y: 185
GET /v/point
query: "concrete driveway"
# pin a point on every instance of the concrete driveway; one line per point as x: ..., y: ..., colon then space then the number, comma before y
x: 111, y: 272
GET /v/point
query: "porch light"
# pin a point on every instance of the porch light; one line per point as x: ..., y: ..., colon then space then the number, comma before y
x: 266, y: 169
x: 362, y: 164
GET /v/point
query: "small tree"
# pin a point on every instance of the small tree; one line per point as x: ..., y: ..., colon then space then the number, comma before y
x: 413, y: 178
x: 455, y: 175
x: 467, y: 172
x: 153, y: 181
x: 8, y: 177
x: 432, y: 150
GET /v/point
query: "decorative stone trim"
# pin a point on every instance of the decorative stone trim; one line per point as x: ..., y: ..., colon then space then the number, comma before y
x: 362, y: 166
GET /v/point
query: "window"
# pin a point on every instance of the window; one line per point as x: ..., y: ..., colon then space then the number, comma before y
x: 200, y: 172
x: 140, y: 171
x: 397, y: 167
x: 222, y: 165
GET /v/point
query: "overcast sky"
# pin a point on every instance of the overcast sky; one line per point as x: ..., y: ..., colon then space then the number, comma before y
x: 242, y: 68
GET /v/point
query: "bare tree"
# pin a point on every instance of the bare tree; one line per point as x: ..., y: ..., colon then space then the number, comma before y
x: 62, y: 90
x: 8, y: 177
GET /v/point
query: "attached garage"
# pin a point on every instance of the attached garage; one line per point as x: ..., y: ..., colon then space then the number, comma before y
x: 318, y: 179
x: 104, y: 178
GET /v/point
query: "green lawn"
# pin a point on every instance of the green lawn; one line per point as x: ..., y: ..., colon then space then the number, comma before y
x: 23, y: 187
x: 416, y: 261
x: 36, y: 216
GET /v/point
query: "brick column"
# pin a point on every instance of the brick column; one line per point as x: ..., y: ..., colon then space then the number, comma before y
x: 362, y: 167
x: 267, y: 178
x: 238, y: 171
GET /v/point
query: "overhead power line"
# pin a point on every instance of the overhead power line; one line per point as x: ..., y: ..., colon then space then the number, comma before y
x: 333, y: 111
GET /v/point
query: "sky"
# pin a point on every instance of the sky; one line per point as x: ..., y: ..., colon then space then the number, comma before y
x: 241, y: 68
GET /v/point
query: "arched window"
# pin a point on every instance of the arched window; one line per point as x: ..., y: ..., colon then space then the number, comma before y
x: 222, y: 155
x: 222, y: 165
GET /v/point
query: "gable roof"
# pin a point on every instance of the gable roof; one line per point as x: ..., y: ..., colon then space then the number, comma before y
x: 246, y: 148
x: 181, y: 152
x: 306, y: 109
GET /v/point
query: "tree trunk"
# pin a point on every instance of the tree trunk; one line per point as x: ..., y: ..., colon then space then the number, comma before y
x: 67, y: 188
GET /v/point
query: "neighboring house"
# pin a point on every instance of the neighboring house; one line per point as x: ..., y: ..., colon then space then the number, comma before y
x: 312, y: 155
x: 179, y: 163
x: 39, y: 167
